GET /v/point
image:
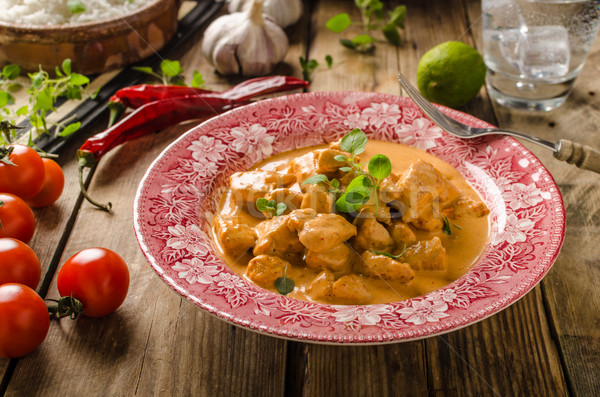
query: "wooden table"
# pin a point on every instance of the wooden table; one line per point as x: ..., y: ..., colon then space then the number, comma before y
x: 548, y: 343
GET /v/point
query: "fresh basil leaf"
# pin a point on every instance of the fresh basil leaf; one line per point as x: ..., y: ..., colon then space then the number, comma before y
x: 380, y: 166
x: 284, y: 285
x: 79, y: 79
x: 3, y: 98
x: 313, y: 180
x: 11, y: 72
x: 197, y: 79
x: 70, y: 129
x: 354, y: 142
x: 143, y: 69
x: 397, y: 16
x: 339, y: 23
x: 280, y: 209
x: 13, y: 87
x: 342, y: 205
x: 261, y: 204
x: 364, y: 39
x: 345, y: 169
x: 22, y: 111
x: 329, y: 60
x: 37, y: 80
x: 171, y: 68
x: 358, y: 195
x: 340, y: 157
x: 391, y: 34
x: 348, y: 44
x: 43, y: 100
x: 66, y: 66
x: 359, y: 182
x: 335, y: 183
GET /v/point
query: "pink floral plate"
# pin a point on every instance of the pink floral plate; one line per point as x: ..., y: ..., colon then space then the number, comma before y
x: 180, y: 191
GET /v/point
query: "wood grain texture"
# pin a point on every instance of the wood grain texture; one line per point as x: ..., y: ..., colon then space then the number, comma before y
x: 158, y: 343
x: 570, y: 288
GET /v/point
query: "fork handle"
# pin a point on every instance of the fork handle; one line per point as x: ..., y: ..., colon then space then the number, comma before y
x: 582, y: 156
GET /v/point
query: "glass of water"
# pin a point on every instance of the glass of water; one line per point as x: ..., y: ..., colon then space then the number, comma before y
x: 534, y: 49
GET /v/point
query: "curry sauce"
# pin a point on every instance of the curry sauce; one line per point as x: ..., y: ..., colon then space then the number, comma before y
x: 465, y: 238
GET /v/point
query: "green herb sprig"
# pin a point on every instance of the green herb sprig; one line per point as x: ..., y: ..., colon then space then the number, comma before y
x: 43, y: 94
x: 75, y: 6
x: 284, y: 285
x: 171, y: 73
x: 310, y: 65
x: 390, y: 255
x: 366, y: 183
x: 270, y: 207
x: 374, y: 18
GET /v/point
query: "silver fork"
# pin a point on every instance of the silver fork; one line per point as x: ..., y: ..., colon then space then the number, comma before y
x: 573, y: 153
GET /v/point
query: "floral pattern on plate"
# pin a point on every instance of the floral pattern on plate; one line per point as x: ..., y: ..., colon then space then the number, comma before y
x: 180, y: 192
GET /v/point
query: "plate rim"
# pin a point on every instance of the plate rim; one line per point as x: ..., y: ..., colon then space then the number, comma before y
x: 468, y: 318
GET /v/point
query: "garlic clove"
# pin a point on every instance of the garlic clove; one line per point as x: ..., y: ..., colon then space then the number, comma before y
x: 284, y: 12
x: 247, y: 43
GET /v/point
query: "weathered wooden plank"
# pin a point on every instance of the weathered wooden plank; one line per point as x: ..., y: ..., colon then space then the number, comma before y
x: 396, y: 369
x: 155, y: 341
x: 572, y: 305
x: 510, y: 353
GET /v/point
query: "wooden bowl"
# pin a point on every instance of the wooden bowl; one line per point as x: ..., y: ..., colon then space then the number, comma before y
x: 93, y: 47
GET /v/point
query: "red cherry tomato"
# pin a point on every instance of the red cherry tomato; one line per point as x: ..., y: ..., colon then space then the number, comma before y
x: 26, y: 177
x: 16, y: 218
x: 18, y: 263
x: 97, y: 277
x: 24, y: 320
x: 54, y: 182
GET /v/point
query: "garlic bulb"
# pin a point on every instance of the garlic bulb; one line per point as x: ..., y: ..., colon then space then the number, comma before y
x: 284, y: 12
x: 247, y: 43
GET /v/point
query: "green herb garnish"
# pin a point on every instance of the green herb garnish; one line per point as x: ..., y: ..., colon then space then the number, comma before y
x: 446, y: 225
x: 284, y: 285
x: 390, y: 255
x: 374, y: 18
x: 310, y: 65
x: 171, y: 73
x: 366, y: 183
x: 270, y: 207
x: 75, y: 6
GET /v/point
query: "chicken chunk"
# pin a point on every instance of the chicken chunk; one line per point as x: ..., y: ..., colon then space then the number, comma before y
x: 265, y: 269
x: 338, y: 259
x: 426, y: 255
x: 234, y: 236
x: 371, y: 234
x: 317, y: 198
x: 466, y: 208
x: 402, y: 234
x: 321, y: 286
x: 276, y: 238
x: 319, y: 161
x: 423, y: 191
x: 373, y: 265
x: 351, y: 289
x: 326, y: 162
x: 325, y: 231
x: 251, y: 185
x: 291, y: 198
x: 297, y: 218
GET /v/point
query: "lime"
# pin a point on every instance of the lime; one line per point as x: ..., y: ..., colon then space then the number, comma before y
x: 451, y: 73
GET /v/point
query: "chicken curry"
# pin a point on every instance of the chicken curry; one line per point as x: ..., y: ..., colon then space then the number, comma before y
x: 352, y: 222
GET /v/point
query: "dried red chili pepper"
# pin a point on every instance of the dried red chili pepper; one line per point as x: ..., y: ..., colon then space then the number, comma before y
x: 156, y: 115
x: 138, y: 95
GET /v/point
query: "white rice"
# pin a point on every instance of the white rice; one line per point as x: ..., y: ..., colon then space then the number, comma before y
x: 56, y: 12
